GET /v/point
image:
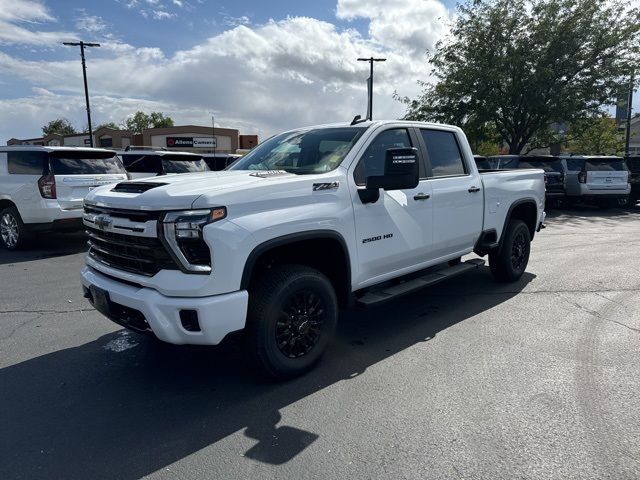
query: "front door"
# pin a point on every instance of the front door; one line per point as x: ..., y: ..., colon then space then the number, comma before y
x: 393, y: 235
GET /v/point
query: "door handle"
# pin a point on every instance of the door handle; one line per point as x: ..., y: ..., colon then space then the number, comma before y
x: 421, y: 196
x: 474, y: 189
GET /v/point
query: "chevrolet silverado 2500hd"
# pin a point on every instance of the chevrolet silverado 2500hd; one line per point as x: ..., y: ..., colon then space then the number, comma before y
x: 308, y: 221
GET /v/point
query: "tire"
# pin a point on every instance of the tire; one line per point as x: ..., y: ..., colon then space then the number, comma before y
x: 509, y: 262
x: 13, y: 233
x: 274, y: 313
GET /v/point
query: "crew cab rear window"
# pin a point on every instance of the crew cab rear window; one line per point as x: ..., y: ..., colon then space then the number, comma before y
x: 372, y: 161
x: 444, y: 153
x: 27, y: 163
x: 605, y: 165
x: 85, y: 166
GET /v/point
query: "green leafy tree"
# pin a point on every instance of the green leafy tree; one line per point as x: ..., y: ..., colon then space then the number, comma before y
x: 112, y: 125
x: 141, y: 121
x: 61, y: 126
x: 523, y: 65
x: 595, y: 136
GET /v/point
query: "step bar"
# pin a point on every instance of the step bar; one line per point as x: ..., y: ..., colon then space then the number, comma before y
x: 394, y: 291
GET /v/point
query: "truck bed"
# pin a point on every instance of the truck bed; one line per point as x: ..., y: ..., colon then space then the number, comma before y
x: 502, y: 188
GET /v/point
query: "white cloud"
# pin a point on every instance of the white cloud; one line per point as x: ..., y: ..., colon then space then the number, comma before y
x: 16, y: 15
x: 400, y: 24
x: 161, y: 15
x: 90, y: 23
x: 177, y: 3
x: 259, y: 78
x: 235, y: 21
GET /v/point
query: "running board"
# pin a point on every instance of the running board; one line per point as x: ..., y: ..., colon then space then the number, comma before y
x: 393, y: 291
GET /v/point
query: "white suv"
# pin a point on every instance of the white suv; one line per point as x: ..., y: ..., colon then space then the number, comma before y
x: 42, y: 188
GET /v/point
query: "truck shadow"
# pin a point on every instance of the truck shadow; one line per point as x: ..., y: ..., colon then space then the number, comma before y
x: 47, y: 245
x: 96, y: 412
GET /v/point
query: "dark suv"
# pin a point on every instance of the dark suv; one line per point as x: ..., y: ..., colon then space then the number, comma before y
x: 553, y: 172
x: 633, y: 163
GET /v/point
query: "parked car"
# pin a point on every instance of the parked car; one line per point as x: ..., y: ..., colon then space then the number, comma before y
x: 219, y: 161
x: 143, y: 162
x: 308, y: 221
x: 633, y: 164
x: 42, y: 188
x: 554, y: 173
x: 603, y: 180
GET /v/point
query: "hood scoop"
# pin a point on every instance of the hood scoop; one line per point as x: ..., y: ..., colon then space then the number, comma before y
x: 136, y: 187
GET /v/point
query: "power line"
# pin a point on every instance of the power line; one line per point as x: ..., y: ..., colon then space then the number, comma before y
x: 82, y: 44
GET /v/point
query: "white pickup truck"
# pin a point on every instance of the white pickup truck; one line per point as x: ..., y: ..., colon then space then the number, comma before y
x: 309, y: 221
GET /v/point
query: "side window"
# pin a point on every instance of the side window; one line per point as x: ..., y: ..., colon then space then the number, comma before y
x: 444, y: 153
x: 27, y: 163
x: 372, y: 162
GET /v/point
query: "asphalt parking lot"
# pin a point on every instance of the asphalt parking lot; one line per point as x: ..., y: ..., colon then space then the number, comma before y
x: 469, y: 379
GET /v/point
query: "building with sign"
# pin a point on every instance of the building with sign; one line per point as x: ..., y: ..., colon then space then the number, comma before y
x: 189, y: 138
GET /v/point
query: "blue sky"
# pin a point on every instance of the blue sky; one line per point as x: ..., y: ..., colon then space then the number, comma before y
x: 258, y: 66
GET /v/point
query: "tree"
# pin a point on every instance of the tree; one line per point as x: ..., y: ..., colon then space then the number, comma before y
x: 61, y: 126
x: 595, y: 136
x: 523, y: 65
x: 112, y: 125
x: 141, y: 121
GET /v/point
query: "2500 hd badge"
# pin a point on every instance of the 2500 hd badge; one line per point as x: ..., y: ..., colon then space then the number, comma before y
x: 379, y: 237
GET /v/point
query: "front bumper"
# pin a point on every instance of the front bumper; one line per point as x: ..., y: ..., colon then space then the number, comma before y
x: 145, y: 308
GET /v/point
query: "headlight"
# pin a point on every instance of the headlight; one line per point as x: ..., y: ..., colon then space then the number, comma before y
x: 181, y: 234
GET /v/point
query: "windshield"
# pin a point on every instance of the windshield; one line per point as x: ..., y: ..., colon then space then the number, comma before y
x: 606, y: 165
x: 86, y: 166
x: 546, y: 165
x: 189, y: 165
x: 302, y: 152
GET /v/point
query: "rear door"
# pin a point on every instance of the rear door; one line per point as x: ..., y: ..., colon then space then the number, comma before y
x: 458, y: 202
x: 606, y: 174
x: 77, y: 173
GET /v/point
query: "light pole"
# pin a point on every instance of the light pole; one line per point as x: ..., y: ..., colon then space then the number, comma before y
x: 627, y: 132
x: 82, y: 44
x: 370, y: 83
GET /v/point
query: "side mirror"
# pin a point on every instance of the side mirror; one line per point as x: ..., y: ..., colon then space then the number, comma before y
x: 400, y: 172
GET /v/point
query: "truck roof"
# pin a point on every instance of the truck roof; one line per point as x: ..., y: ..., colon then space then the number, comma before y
x: 370, y: 123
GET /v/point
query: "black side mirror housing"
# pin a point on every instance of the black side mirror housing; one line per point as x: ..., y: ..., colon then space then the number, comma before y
x: 401, y: 172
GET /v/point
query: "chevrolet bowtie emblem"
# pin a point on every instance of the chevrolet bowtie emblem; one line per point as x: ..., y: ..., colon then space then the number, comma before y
x: 102, y: 221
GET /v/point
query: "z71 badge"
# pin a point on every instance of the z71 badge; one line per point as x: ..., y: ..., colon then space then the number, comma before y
x: 326, y: 186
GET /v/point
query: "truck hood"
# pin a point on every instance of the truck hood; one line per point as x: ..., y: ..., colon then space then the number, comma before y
x: 181, y: 191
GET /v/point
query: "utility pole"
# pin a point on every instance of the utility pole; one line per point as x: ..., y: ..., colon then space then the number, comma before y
x: 370, y: 83
x: 82, y: 44
x: 213, y: 138
x: 627, y: 133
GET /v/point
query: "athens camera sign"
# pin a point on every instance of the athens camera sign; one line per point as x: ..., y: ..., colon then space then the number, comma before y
x: 191, y: 142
